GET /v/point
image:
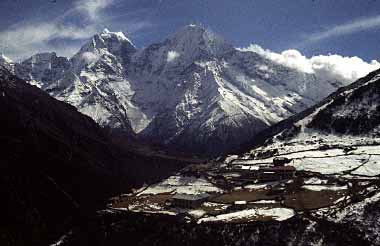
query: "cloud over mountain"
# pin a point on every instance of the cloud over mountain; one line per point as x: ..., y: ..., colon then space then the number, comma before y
x: 63, y: 34
x: 330, y: 67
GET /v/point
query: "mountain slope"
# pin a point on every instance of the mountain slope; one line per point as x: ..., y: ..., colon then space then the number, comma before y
x: 352, y: 110
x: 193, y: 92
x: 332, y: 199
x: 57, y: 165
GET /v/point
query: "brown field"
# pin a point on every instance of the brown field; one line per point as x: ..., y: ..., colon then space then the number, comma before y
x: 159, y: 199
x: 308, y: 199
x: 215, y: 209
x: 243, y: 195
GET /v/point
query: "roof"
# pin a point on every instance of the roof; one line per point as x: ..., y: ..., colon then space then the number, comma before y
x: 191, y: 197
x: 240, y: 202
x: 280, y: 168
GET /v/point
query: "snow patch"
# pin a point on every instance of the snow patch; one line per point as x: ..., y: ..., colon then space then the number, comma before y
x: 172, y: 55
x: 182, y: 185
x: 279, y: 214
x: 90, y: 57
x: 324, y: 187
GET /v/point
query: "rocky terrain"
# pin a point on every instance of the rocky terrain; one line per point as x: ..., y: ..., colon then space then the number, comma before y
x: 311, y: 179
x: 192, y: 93
x: 332, y: 198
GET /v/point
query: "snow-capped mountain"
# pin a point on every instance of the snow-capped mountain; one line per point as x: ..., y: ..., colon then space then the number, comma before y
x: 7, y: 63
x: 193, y: 92
x: 352, y: 110
x: 43, y: 69
x: 337, y: 139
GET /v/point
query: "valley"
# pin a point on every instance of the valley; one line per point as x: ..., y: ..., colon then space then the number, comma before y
x: 187, y: 140
x: 306, y: 180
x: 331, y: 177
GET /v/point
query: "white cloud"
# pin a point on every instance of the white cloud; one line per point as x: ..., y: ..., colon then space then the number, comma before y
x: 92, y: 8
x: 24, y: 39
x: 344, y: 29
x: 172, y: 55
x: 327, y: 67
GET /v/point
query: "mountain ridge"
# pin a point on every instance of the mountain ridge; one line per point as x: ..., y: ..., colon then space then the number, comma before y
x: 58, y: 166
x: 319, y: 118
x: 192, y: 93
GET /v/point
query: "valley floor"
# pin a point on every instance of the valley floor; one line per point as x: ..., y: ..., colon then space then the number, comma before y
x: 334, y: 177
x: 333, y: 198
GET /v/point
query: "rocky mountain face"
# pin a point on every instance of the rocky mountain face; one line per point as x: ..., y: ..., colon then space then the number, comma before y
x: 57, y: 166
x: 7, y: 63
x: 352, y: 110
x: 347, y: 121
x: 193, y: 92
x: 333, y: 144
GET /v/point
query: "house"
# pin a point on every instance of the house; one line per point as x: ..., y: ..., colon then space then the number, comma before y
x: 239, y: 205
x: 280, y: 161
x: 276, y: 173
x: 189, y: 200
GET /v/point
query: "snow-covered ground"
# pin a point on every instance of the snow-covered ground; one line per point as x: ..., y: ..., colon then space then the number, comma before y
x: 320, y: 153
x: 330, y: 165
x: 324, y: 187
x: 313, y: 140
x: 278, y: 214
x: 182, y: 185
x: 370, y: 168
x: 332, y: 169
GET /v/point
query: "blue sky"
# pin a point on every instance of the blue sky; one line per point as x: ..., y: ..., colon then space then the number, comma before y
x: 345, y: 27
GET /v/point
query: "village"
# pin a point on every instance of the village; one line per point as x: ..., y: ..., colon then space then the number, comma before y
x: 246, y: 189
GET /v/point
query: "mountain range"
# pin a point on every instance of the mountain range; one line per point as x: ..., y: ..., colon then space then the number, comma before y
x: 335, y: 148
x: 352, y: 110
x: 192, y: 93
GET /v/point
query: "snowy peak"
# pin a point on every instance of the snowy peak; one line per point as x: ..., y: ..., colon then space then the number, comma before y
x: 43, y: 69
x: 195, y: 39
x: 193, y: 92
x: 6, y: 62
x: 4, y: 59
x: 114, y: 42
x: 180, y: 51
x: 41, y: 60
x: 113, y: 47
x: 107, y: 34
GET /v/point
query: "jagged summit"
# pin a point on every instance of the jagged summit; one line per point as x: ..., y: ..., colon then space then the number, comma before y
x: 5, y: 59
x: 113, y: 42
x: 193, y: 38
x: 6, y: 62
x: 193, y: 92
x: 106, y: 34
x: 111, y: 46
x: 106, y: 30
x: 42, y: 69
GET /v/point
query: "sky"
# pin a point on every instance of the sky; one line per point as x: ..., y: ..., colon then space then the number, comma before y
x: 350, y: 28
